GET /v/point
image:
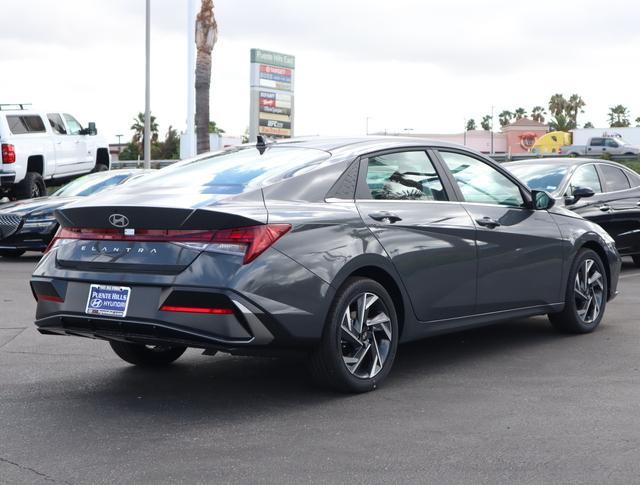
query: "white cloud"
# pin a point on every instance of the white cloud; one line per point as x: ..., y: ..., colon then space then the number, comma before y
x: 408, y: 64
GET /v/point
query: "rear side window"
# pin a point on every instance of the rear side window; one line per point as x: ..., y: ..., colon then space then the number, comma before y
x: 614, y: 178
x: 597, y: 142
x: 56, y: 123
x: 20, y: 124
x: 404, y: 176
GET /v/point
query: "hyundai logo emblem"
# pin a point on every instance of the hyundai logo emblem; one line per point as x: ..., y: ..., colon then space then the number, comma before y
x: 118, y: 220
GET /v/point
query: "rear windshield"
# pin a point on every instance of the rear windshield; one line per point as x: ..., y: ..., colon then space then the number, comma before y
x: 236, y: 170
x: 539, y: 176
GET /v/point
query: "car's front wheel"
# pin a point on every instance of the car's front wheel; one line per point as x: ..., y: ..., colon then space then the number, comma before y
x: 586, y: 295
x: 146, y: 355
x: 360, y: 338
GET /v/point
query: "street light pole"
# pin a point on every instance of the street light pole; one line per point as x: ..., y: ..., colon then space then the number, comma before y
x: 147, y: 89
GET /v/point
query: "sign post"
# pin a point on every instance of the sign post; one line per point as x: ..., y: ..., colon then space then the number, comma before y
x: 272, y: 110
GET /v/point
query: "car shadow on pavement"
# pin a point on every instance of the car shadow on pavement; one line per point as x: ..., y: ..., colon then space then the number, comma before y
x: 226, y: 388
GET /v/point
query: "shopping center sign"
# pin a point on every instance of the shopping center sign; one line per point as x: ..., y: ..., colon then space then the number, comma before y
x: 272, y: 76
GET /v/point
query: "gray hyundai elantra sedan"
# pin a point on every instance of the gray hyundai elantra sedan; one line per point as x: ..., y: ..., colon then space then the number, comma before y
x: 338, y: 249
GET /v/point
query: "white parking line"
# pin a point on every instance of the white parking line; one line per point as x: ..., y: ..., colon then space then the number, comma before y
x: 626, y: 275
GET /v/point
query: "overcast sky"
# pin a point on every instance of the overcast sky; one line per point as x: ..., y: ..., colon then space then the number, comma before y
x: 407, y: 64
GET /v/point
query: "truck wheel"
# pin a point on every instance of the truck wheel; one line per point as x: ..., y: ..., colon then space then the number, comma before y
x: 100, y: 167
x: 31, y: 186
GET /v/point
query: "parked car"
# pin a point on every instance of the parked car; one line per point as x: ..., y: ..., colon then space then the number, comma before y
x: 29, y: 225
x: 604, y: 192
x: 40, y: 146
x: 338, y: 248
x: 599, y: 145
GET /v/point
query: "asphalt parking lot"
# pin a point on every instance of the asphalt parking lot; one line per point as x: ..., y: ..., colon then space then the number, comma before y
x: 511, y: 403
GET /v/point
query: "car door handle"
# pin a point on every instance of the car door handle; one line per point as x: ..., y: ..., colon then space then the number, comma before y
x: 604, y: 208
x: 488, y: 222
x: 386, y: 217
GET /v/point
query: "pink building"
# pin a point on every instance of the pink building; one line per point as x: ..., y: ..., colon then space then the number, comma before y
x: 518, y: 137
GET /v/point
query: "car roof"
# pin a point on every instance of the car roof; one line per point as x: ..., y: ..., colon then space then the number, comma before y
x: 361, y: 142
x: 568, y: 161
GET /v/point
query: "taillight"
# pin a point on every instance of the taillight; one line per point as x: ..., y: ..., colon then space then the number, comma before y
x: 8, y: 153
x: 252, y: 240
x: 196, y: 309
x: 249, y: 242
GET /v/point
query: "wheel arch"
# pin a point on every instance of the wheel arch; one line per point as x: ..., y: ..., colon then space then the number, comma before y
x: 35, y: 163
x: 102, y: 157
x: 379, y: 269
x: 599, y: 250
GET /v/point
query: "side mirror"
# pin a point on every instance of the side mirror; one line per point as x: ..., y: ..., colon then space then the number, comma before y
x: 92, y: 128
x: 542, y: 200
x: 579, y: 193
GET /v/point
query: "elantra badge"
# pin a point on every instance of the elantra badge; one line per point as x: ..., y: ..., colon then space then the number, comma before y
x: 119, y: 220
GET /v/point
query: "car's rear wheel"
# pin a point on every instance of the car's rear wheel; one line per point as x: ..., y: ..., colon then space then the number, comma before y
x: 146, y: 355
x: 636, y: 259
x: 360, y: 338
x: 100, y: 167
x: 586, y: 295
x: 11, y: 253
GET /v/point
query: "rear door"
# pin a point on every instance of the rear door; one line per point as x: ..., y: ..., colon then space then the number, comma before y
x: 622, y: 199
x: 596, y: 146
x: 520, y: 250
x: 429, y: 238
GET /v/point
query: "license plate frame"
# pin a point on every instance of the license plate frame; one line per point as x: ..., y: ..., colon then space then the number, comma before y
x: 108, y: 301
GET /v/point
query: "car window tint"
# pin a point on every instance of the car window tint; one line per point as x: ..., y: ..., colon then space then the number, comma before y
x: 614, y: 178
x: 91, y: 184
x: 20, y: 124
x: 479, y: 182
x: 611, y: 143
x: 55, y: 120
x: 597, y: 142
x: 404, y: 176
x: 585, y: 176
x: 634, y: 178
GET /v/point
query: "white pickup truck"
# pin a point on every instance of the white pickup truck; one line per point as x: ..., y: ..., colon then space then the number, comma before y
x: 599, y: 145
x: 40, y: 146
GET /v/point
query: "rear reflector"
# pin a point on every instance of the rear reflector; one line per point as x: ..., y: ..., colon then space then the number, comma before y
x: 192, y: 309
x: 8, y: 153
x: 55, y: 299
x: 249, y: 242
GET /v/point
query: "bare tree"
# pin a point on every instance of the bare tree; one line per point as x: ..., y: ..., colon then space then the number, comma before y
x: 206, y: 37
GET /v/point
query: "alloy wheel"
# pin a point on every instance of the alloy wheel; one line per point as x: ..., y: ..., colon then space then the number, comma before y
x: 365, y: 335
x: 589, y: 291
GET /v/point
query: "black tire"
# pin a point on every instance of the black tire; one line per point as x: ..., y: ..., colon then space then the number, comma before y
x: 577, y: 296
x: 636, y: 259
x: 30, y: 187
x: 100, y: 167
x: 146, y: 356
x: 327, y: 362
x: 11, y: 253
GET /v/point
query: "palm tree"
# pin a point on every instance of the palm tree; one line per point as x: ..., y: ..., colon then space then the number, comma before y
x: 206, y: 37
x: 520, y: 113
x: 505, y: 117
x: 138, y: 130
x: 557, y: 104
x: 537, y: 114
x: 619, y: 117
x: 214, y: 128
x: 560, y: 122
x: 486, y: 122
x: 574, y: 106
x: 588, y: 124
x: 638, y: 122
x: 471, y: 125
